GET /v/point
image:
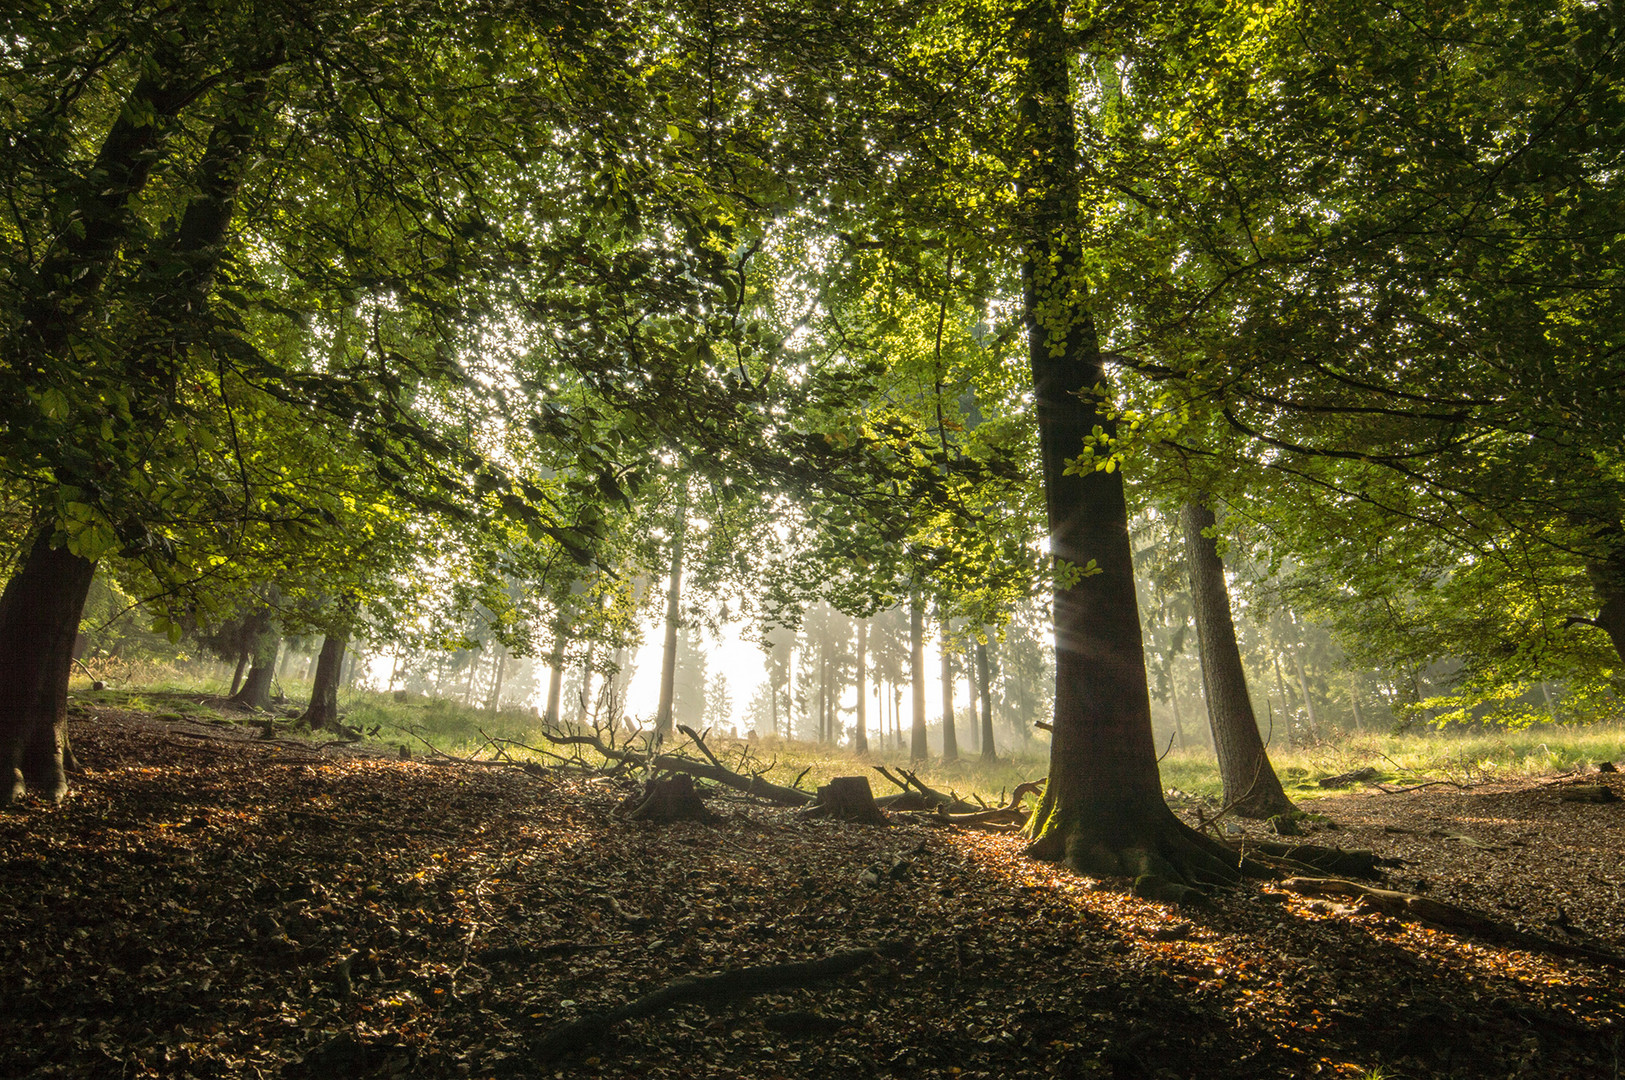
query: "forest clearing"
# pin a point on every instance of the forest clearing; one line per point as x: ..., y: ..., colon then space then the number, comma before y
x: 212, y: 904
x: 752, y: 538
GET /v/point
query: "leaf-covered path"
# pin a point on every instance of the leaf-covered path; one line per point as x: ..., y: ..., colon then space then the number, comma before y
x: 206, y: 905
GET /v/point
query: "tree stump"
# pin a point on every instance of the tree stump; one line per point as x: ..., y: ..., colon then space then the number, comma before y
x: 666, y: 798
x: 849, y: 798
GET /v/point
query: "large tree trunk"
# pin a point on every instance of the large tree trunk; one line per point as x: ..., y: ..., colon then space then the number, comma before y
x: 323, y: 711
x: 985, y: 686
x: 1251, y: 788
x: 920, y: 747
x: 256, y: 689
x: 1607, y: 578
x: 950, y: 738
x: 39, y: 620
x: 1102, y: 810
x: 860, y: 738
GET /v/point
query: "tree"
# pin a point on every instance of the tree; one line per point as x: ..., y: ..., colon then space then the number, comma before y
x: 1251, y: 787
x: 1102, y: 810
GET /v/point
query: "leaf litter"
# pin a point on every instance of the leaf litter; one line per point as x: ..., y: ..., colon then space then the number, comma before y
x: 220, y: 907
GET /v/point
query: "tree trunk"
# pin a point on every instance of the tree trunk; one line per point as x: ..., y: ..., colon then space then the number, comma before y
x: 323, y: 711
x: 1251, y: 787
x: 39, y: 620
x: 985, y: 685
x: 1102, y: 810
x: 970, y: 693
x: 1354, y: 703
x: 920, y: 747
x: 1173, y: 700
x: 555, y: 679
x: 1303, y: 685
x: 860, y: 737
x: 256, y: 689
x: 1607, y: 577
x: 674, y: 596
x: 1286, y: 703
x: 242, y: 665
x: 950, y: 738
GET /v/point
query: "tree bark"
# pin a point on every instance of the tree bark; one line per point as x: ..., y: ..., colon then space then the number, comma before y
x: 266, y: 642
x: 39, y: 620
x: 950, y: 738
x: 860, y: 738
x: 323, y: 711
x: 1102, y: 810
x: 985, y: 685
x: 555, y: 679
x: 243, y: 655
x: 920, y: 747
x: 1607, y: 578
x: 674, y: 596
x: 1251, y: 787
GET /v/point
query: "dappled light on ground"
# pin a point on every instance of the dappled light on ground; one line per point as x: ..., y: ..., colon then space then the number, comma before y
x: 208, y: 905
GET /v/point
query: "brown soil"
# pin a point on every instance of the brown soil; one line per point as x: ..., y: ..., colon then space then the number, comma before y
x: 207, y: 905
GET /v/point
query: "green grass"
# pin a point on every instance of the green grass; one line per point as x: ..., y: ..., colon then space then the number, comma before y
x: 1412, y: 758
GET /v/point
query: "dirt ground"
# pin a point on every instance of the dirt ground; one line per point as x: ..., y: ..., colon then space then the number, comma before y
x: 210, y: 905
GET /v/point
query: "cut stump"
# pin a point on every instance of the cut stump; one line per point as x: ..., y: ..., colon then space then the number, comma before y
x: 666, y: 798
x: 848, y: 798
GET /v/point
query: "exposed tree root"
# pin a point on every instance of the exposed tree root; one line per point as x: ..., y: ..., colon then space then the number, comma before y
x: 1404, y: 905
x: 725, y: 986
x: 1366, y: 864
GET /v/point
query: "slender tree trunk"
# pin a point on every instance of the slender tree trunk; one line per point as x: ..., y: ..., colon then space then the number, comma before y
x: 1286, y: 703
x: 323, y: 711
x: 494, y: 702
x: 256, y: 689
x: 39, y: 621
x: 920, y: 747
x: 974, y: 708
x: 1251, y: 787
x: 1303, y: 685
x: 555, y: 679
x: 950, y: 738
x: 985, y: 685
x: 1102, y: 810
x: 860, y: 738
x: 1173, y: 699
x: 1354, y: 703
x: 242, y: 665
x: 674, y: 596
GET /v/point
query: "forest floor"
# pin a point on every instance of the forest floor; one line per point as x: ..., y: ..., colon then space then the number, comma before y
x: 206, y: 904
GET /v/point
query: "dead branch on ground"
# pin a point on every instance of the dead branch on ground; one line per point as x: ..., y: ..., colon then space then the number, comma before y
x: 724, y: 986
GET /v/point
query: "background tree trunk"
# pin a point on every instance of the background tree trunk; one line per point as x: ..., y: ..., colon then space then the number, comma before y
x: 1251, y: 787
x: 984, y: 684
x: 323, y: 711
x: 256, y: 689
x: 674, y: 596
x: 555, y: 679
x: 950, y: 738
x: 920, y: 747
x: 39, y: 621
x: 860, y: 737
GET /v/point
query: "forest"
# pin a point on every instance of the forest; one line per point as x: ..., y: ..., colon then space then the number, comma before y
x: 901, y: 538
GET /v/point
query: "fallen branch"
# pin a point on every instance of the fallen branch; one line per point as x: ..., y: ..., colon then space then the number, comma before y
x: 1403, y: 905
x: 724, y: 986
x: 721, y: 774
